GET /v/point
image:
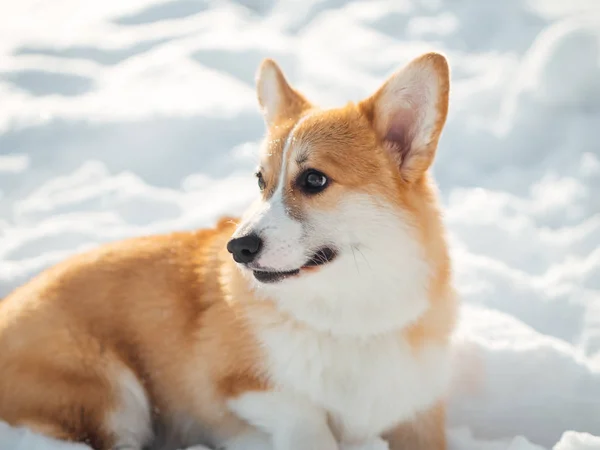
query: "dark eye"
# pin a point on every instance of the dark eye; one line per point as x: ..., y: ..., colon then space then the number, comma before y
x: 312, y: 181
x: 261, y: 181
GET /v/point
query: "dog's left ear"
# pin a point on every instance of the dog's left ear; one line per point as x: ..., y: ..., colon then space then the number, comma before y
x: 409, y: 111
x: 278, y: 100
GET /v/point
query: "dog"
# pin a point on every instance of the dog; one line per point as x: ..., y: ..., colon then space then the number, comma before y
x: 320, y: 319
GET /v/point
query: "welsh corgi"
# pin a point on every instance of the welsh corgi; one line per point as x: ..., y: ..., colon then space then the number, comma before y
x: 319, y: 320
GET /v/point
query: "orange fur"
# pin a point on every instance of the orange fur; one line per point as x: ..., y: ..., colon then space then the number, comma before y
x: 144, y: 304
x: 171, y: 309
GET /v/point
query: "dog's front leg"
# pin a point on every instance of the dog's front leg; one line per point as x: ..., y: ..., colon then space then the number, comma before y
x: 292, y: 422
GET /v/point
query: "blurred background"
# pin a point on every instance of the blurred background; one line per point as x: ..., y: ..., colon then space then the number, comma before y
x: 120, y: 118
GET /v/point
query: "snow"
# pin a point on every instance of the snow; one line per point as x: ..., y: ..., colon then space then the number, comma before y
x: 127, y: 118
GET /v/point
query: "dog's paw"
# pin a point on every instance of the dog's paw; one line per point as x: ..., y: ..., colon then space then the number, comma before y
x: 372, y: 444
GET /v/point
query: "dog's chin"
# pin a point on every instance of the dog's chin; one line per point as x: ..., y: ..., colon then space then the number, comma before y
x: 321, y: 257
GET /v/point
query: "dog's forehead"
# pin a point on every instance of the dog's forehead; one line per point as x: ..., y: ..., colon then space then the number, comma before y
x: 273, y: 148
x: 331, y: 132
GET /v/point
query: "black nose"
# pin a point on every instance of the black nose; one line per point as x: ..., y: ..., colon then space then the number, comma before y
x: 244, y: 249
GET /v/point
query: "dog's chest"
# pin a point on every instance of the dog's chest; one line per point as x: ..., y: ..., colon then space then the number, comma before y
x: 365, y: 385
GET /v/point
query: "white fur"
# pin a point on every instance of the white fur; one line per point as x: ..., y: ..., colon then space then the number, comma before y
x: 378, y: 282
x: 279, y: 233
x: 365, y: 385
x: 342, y: 348
x: 292, y: 421
x: 131, y: 422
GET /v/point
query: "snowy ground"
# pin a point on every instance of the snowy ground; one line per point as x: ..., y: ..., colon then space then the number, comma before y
x: 123, y: 118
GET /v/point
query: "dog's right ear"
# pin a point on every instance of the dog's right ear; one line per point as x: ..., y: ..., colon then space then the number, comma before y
x: 277, y: 99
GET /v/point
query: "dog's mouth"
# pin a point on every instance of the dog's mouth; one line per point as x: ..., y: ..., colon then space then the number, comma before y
x: 321, y: 257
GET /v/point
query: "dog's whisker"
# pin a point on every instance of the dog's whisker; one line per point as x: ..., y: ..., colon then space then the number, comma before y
x: 354, y: 256
x: 364, y: 257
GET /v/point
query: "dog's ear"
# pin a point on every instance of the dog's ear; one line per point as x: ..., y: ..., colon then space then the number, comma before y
x: 409, y: 111
x: 277, y: 99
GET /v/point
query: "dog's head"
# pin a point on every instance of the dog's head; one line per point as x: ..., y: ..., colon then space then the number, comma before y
x: 345, y: 214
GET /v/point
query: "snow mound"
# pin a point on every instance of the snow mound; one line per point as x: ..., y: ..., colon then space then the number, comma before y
x: 12, y: 438
x: 571, y: 440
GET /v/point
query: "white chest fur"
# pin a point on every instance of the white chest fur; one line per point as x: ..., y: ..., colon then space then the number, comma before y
x: 366, y: 385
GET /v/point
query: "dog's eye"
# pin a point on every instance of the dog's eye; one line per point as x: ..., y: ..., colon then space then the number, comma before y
x: 261, y: 181
x: 313, y: 181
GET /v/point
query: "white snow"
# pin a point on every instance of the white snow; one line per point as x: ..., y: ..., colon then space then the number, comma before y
x: 126, y: 118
